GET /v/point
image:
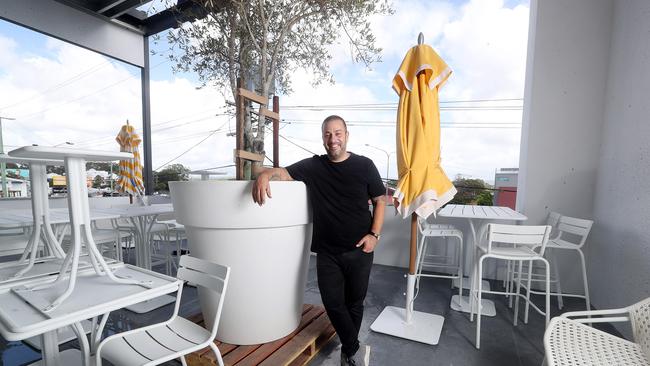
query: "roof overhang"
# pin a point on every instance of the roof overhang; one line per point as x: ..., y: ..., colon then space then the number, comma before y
x: 115, y: 28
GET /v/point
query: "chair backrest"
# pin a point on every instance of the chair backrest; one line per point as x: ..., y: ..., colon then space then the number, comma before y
x: 529, y: 235
x: 553, y: 219
x: 578, y: 228
x: 209, y: 275
x: 421, y: 223
x: 640, y: 320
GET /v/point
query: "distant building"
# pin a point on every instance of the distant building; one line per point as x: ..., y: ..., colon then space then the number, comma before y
x: 16, y: 188
x: 505, y: 187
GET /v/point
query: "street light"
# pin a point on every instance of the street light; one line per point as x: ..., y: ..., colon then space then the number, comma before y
x: 64, y: 143
x: 387, y: 161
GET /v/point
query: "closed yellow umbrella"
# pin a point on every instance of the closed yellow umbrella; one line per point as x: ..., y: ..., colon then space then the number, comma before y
x: 423, y: 186
x: 130, y: 177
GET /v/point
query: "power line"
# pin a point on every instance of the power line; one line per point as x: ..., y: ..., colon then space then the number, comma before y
x: 68, y: 81
x: 109, y: 139
x: 293, y: 143
x: 186, y: 151
x: 393, y: 105
x: 318, y: 122
x: 476, y: 125
x: 193, y: 146
x: 31, y: 115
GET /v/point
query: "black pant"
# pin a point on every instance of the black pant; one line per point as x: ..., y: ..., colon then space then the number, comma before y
x: 343, y: 283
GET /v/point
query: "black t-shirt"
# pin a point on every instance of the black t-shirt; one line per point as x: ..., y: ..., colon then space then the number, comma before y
x: 339, y: 194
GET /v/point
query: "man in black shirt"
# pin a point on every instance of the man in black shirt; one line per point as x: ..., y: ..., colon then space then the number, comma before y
x: 345, y: 233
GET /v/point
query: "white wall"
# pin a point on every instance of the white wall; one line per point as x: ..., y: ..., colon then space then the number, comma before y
x: 619, y: 249
x: 566, y: 77
x: 563, y: 102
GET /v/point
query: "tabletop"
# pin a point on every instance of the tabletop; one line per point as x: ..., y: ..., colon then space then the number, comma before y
x: 134, y: 210
x: 23, y: 217
x: 93, y: 295
x: 46, y: 152
x: 12, y: 159
x: 481, y: 212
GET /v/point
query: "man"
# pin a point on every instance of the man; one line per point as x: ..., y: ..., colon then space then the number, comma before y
x: 345, y: 233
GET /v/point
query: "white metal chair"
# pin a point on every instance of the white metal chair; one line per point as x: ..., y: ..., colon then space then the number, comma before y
x: 512, y: 243
x: 177, y: 337
x: 430, y: 260
x: 571, y: 235
x: 553, y: 219
x: 569, y: 341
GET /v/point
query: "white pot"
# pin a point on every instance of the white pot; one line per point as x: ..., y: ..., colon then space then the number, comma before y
x: 267, y: 249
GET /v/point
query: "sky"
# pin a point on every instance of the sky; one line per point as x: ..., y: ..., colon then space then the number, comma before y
x: 59, y: 93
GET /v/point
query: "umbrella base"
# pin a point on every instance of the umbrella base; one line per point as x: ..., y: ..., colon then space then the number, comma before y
x: 488, y: 308
x: 423, y: 328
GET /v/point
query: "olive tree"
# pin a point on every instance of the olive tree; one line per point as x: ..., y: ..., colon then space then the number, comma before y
x: 264, y: 41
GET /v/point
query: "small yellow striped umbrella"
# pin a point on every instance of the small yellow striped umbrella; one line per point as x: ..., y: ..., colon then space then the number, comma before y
x: 423, y: 186
x: 130, y: 177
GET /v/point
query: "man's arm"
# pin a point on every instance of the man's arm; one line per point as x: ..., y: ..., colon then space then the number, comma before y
x: 369, y: 241
x: 262, y: 188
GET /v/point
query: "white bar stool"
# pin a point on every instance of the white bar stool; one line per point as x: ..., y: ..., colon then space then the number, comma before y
x: 426, y: 259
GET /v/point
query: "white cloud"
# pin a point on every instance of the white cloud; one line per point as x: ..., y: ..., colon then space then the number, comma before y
x: 482, y: 40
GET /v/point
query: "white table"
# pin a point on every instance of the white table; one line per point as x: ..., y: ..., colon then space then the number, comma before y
x: 478, y: 218
x: 143, y: 219
x: 94, y: 296
x: 205, y: 174
x: 39, y: 215
x: 75, y: 166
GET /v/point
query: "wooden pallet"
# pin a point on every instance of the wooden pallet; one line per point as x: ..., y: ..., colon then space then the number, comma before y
x: 296, y: 349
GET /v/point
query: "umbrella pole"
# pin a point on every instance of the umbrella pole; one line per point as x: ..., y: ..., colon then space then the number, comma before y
x: 410, y: 279
x: 414, y: 233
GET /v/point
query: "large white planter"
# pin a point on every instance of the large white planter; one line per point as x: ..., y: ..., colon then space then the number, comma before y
x: 266, y: 247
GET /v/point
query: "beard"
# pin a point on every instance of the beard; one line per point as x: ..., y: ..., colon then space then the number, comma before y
x: 336, y: 152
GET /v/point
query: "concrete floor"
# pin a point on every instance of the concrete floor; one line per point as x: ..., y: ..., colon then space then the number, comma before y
x: 502, y: 343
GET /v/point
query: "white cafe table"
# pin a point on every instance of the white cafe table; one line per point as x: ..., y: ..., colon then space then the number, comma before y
x: 478, y: 218
x: 93, y: 297
x: 79, y: 212
x: 143, y: 218
x: 205, y: 174
x: 39, y: 215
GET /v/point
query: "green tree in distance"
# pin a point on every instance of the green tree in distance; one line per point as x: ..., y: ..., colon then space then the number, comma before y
x: 472, y: 192
x: 98, y: 181
x: 173, y: 172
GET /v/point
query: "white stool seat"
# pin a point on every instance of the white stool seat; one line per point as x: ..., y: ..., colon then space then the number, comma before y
x: 512, y: 253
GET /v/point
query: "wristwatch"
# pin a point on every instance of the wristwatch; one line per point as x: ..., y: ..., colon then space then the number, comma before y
x: 374, y: 234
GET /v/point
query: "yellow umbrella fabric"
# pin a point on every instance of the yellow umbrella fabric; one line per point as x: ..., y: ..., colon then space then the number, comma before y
x: 423, y: 186
x: 130, y: 177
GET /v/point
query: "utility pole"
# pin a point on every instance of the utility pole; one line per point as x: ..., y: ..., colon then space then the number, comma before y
x: 3, y: 165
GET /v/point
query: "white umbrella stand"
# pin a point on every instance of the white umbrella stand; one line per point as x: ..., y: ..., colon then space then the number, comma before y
x: 405, y: 322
